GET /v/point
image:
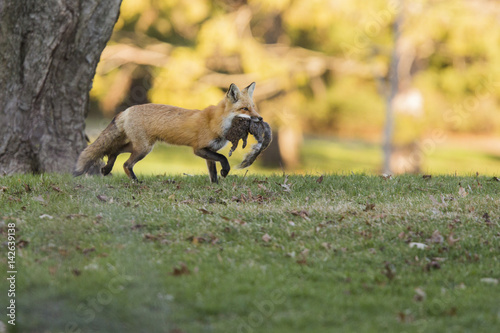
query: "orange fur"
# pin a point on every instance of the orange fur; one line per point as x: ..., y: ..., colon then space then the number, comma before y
x: 136, y: 130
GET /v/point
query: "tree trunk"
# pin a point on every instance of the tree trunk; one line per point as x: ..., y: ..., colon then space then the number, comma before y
x: 49, y: 51
x: 393, y: 91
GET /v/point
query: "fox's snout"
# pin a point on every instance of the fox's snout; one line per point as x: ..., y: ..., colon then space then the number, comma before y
x: 257, y: 119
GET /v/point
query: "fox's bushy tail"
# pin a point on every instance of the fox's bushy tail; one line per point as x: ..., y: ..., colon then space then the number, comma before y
x: 90, y: 158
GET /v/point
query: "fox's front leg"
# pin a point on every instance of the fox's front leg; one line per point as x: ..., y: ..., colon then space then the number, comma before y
x: 212, y: 156
x: 212, y: 171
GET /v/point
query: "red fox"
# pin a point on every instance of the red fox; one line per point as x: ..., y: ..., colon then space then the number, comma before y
x: 136, y: 130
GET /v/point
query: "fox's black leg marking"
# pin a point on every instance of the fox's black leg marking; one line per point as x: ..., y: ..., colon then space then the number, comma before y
x: 129, y: 164
x: 216, y: 157
x: 109, y: 166
x: 212, y: 171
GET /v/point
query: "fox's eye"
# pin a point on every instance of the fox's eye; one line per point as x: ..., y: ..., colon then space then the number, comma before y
x: 246, y: 109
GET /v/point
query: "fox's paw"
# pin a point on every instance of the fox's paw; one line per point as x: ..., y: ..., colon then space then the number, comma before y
x: 224, y: 173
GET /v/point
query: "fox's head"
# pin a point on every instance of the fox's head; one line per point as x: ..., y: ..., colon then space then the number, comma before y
x: 241, y: 102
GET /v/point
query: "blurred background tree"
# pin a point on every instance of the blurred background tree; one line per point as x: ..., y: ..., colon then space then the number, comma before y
x: 322, y: 67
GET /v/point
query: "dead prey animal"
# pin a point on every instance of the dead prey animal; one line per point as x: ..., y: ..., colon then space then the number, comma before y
x: 240, y: 128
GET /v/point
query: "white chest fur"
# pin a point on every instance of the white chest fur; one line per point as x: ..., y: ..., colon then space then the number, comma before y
x: 219, y: 143
x: 226, y: 124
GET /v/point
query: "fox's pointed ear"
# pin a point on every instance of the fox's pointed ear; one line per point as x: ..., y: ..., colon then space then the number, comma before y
x: 250, y: 89
x: 233, y: 93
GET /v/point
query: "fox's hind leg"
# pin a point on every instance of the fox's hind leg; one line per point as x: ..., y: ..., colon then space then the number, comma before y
x: 109, y: 166
x: 135, y: 157
x: 119, y: 146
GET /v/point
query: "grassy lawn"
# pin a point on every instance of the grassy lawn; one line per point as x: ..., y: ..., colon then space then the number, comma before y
x: 347, y: 253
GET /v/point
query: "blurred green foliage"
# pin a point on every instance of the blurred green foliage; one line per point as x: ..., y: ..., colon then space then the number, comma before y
x: 322, y: 65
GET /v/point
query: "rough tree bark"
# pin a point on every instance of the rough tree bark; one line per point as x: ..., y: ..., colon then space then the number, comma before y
x: 49, y: 51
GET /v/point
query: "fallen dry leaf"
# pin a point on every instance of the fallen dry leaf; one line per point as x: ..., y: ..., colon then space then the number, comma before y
x: 239, y: 221
x: 256, y: 181
x: 262, y: 187
x: 303, y: 255
x: 302, y: 262
x: 420, y: 246
x: 187, y: 202
x: 102, y: 198
x: 137, y: 226
x: 198, y: 240
x: 46, y: 216
x: 57, y: 189
x: 452, y: 240
x: 436, y: 237
x: 150, y: 237
x: 11, y: 198
x: 405, y: 318
x: 266, y: 238
x: 452, y: 311
x: 182, y: 270
x: 320, y: 179
x: 462, y: 192
x: 369, y: 206
x: 40, y: 199
x: 287, y: 187
x: 487, y: 219
x: 427, y: 177
x: 420, y: 295
x: 22, y: 243
x: 490, y: 280
x: 302, y: 213
x: 434, y: 201
x: 327, y: 246
x: 434, y: 264
x: 87, y: 251
x: 204, y: 211
x: 389, y: 270
x: 74, y: 216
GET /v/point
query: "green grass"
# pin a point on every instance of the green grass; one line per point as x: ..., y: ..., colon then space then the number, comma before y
x: 253, y: 254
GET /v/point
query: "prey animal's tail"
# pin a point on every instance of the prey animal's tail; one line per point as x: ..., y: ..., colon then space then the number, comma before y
x: 105, y: 144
